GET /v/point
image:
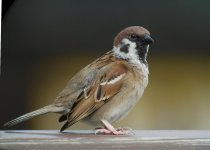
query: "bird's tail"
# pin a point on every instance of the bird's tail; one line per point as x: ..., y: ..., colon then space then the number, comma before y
x: 41, y: 111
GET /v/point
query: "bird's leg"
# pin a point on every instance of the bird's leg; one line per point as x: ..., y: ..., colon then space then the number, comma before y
x: 109, y: 129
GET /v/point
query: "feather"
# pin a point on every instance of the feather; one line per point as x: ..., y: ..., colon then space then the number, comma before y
x: 41, y: 111
x: 108, y: 82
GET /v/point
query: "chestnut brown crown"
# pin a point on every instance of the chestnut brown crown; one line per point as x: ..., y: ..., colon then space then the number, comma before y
x: 128, y: 32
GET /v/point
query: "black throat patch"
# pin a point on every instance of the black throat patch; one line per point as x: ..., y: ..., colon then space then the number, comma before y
x: 142, y: 53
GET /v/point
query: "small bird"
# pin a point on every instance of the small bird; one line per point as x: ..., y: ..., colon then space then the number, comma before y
x: 105, y: 90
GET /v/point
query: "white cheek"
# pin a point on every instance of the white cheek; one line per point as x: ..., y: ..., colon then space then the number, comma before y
x: 132, y: 44
x: 132, y: 52
x: 131, y: 55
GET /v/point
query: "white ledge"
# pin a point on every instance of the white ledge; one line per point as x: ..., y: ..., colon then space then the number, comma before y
x: 83, y: 139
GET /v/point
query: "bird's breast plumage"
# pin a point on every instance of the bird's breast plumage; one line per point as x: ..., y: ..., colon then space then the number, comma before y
x: 119, y: 105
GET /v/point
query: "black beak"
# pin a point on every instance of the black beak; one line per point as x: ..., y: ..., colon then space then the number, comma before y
x: 148, y: 40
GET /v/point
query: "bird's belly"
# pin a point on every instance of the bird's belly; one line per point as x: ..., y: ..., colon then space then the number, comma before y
x: 117, y: 107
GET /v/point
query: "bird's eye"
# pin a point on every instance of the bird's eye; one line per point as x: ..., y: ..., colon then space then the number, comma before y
x: 133, y: 36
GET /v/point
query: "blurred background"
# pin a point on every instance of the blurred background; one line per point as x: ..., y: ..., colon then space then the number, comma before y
x: 45, y: 42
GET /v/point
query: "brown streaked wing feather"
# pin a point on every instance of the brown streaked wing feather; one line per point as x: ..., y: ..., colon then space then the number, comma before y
x: 74, y: 90
x: 107, y: 84
x: 111, y: 82
x: 68, y: 96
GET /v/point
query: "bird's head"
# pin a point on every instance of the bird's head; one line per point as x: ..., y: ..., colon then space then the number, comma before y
x: 132, y: 43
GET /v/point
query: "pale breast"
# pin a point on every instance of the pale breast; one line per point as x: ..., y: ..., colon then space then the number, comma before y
x: 120, y: 104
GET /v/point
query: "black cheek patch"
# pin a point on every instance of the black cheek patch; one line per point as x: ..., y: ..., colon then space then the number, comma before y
x: 125, y: 48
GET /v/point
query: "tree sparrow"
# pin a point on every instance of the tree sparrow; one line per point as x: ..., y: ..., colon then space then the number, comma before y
x: 107, y: 89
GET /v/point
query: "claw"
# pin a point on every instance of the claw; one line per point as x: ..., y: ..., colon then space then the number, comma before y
x: 109, y: 129
x: 126, y: 130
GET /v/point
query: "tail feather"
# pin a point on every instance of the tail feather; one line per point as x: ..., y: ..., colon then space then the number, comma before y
x: 41, y: 111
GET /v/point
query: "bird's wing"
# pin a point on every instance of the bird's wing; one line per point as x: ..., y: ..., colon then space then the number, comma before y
x: 107, y: 83
x: 75, y: 87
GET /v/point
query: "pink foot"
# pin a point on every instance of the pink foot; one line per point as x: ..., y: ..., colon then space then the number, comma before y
x: 126, y: 130
x: 109, y: 129
x: 102, y: 131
